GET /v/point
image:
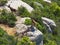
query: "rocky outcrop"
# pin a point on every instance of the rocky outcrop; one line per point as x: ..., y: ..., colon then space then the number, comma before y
x: 20, y: 26
x: 49, y: 1
x: 5, y: 7
x: 21, y: 20
x: 14, y: 4
x: 35, y: 35
x: 39, y: 4
x: 48, y: 23
x: 32, y: 32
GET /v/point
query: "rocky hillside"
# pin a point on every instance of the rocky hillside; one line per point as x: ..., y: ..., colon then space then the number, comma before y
x: 29, y: 22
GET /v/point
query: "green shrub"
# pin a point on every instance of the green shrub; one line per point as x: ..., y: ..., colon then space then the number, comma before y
x: 41, y: 28
x: 7, y: 18
x: 26, y: 41
x: 11, y: 23
x: 51, y: 42
x: 2, y: 2
x: 23, y: 12
x: 28, y: 21
x: 1, y: 32
x: 5, y: 39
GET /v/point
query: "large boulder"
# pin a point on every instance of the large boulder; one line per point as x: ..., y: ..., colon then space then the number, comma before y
x: 21, y: 28
x: 1, y: 8
x: 48, y: 21
x: 49, y: 1
x: 49, y: 24
x: 21, y: 20
x: 39, y: 4
x: 5, y: 7
x: 14, y: 4
x: 35, y: 35
x: 32, y: 32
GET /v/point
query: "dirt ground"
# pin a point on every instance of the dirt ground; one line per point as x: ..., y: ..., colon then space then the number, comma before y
x: 9, y: 30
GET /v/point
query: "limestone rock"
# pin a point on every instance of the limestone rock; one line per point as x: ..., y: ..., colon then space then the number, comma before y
x: 14, y: 4
x: 5, y: 7
x: 48, y: 21
x: 49, y: 1
x: 1, y: 8
x: 32, y: 32
x: 36, y: 36
x: 39, y: 4
x: 21, y: 28
x: 49, y: 24
x: 21, y: 20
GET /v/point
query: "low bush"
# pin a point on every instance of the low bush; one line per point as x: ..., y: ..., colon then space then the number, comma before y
x: 5, y: 39
x: 26, y: 41
x: 50, y: 42
x: 7, y: 18
x: 40, y: 27
x: 2, y: 2
x: 28, y: 21
x: 23, y: 12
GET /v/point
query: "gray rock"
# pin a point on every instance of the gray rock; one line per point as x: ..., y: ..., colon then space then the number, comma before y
x: 36, y: 36
x: 21, y: 20
x: 39, y: 4
x: 48, y: 26
x: 32, y: 32
x: 14, y: 4
x: 48, y: 21
x: 5, y: 7
x: 49, y: 1
x: 21, y: 28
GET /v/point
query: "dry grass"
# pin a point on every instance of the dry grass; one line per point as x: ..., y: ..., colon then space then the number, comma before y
x: 9, y: 30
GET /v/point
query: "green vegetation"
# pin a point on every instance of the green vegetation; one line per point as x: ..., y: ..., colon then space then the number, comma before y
x: 2, y: 2
x: 51, y: 11
x: 26, y: 41
x: 23, y: 12
x: 28, y: 21
x: 40, y: 27
x: 58, y: 2
x: 5, y: 39
x: 7, y: 18
x: 51, y: 43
